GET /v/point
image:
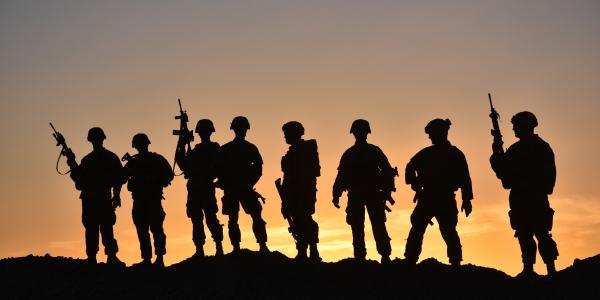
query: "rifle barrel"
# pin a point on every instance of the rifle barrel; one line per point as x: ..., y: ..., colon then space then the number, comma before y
x: 54, y: 129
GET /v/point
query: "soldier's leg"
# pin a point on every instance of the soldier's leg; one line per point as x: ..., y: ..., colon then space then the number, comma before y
x: 528, y: 248
x: 141, y: 225
x: 198, y: 235
x: 92, y: 228
x: 107, y: 221
x: 378, y: 219
x: 419, y: 220
x: 108, y: 239
x: 158, y: 232
x: 214, y: 226
x: 92, y: 238
x: 447, y: 222
x: 259, y: 228
x: 300, y: 229
x: 252, y: 206
x: 233, y: 228
x: 548, y: 249
x: 355, y: 217
x: 312, y: 237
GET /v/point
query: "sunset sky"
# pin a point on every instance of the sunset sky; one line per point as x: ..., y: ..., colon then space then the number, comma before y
x: 121, y: 65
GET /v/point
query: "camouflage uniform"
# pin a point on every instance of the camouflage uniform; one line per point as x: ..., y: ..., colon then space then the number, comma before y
x: 147, y: 174
x: 240, y: 168
x: 437, y: 172
x: 366, y: 174
x: 300, y: 167
x: 529, y: 171
x: 98, y: 172
x: 199, y: 167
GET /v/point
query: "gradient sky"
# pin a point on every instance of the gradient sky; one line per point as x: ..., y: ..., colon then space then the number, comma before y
x: 122, y: 65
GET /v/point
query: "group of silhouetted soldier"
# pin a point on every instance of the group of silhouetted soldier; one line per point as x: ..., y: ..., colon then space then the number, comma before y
x: 435, y: 173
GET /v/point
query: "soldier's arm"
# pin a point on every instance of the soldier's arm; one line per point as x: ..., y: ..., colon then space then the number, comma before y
x: 77, y: 174
x: 466, y: 186
x: 181, y: 158
x: 410, y: 175
x: 549, y: 170
x: 165, y: 171
x: 387, y: 170
x: 119, y: 174
x: 257, y: 164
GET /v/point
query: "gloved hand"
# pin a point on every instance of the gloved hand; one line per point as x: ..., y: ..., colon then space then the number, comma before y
x: 466, y: 207
x: 336, y: 202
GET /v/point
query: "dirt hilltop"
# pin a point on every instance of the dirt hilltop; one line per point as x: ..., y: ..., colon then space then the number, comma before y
x: 250, y: 275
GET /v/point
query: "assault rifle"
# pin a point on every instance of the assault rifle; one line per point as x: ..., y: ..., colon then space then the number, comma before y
x: 65, y: 151
x: 186, y: 136
x: 497, y: 145
x: 284, y: 208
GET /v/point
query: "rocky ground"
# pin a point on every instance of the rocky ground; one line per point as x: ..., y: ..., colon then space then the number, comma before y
x: 250, y: 275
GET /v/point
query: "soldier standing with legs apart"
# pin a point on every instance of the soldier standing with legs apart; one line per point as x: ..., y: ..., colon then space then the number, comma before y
x: 240, y: 168
x: 435, y: 174
x: 99, y: 172
x: 146, y: 174
x: 300, y: 166
x: 199, y: 166
x: 529, y: 171
x: 367, y: 175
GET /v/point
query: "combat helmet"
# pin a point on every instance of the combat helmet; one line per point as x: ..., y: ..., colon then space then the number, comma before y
x: 360, y: 126
x: 240, y: 122
x: 205, y: 125
x: 438, y: 126
x: 525, y: 118
x: 140, y: 139
x: 293, y: 127
x: 95, y: 133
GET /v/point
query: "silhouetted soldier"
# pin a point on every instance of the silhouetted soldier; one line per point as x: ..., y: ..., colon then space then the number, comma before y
x: 199, y: 166
x: 147, y: 173
x: 435, y: 174
x: 99, y: 172
x: 367, y: 175
x: 528, y: 170
x: 240, y: 168
x: 300, y: 166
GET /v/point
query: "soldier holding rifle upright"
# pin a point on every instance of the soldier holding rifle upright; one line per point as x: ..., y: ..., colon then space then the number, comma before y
x: 99, y: 178
x: 199, y: 167
x: 528, y: 169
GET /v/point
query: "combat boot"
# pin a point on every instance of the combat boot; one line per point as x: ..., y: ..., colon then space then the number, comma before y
x: 385, y: 259
x: 301, y: 253
x: 455, y: 264
x: 91, y: 260
x: 219, y: 247
x: 551, y: 268
x: 114, y: 261
x: 159, y: 262
x: 314, y: 253
x: 410, y: 262
x: 264, y: 249
x: 527, y: 271
x: 144, y: 263
x: 236, y: 247
x: 199, y: 252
